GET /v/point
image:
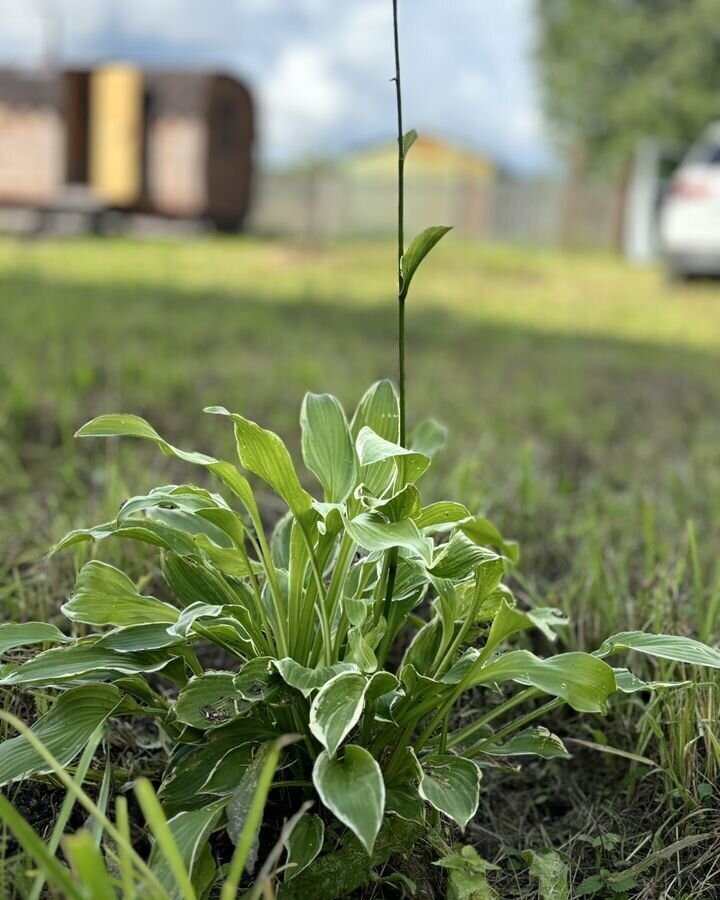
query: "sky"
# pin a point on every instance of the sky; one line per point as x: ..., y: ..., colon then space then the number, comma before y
x: 321, y: 69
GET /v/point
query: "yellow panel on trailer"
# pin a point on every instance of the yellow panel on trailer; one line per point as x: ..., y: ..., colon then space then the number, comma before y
x: 116, y: 134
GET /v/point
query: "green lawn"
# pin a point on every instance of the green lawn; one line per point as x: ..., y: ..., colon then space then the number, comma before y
x: 582, y: 398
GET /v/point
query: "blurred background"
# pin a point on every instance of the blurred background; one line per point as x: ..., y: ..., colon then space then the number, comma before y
x: 197, y: 203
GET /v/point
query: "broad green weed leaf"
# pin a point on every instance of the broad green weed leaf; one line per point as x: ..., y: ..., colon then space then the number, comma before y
x: 551, y: 871
x: 337, y: 708
x: 575, y: 677
x: 352, y: 788
x: 303, y: 844
x: 25, y: 634
x: 327, y: 446
x: 452, y: 785
x: 104, y: 595
x: 665, y: 646
x: 467, y: 875
x: 64, y: 731
x: 264, y: 454
x: 417, y: 251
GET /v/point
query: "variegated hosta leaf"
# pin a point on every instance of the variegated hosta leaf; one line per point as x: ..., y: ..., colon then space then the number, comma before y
x: 239, y: 804
x: 428, y: 437
x: 303, y: 844
x: 378, y: 410
x: 442, y: 515
x: 209, y: 700
x: 405, y: 802
x: 264, y: 454
x: 373, y: 449
x: 484, y: 533
x: 458, y: 558
x: 337, y: 708
x: 64, y: 731
x: 664, y: 646
x: 452, y: 785
x: 104, y: 595
x: 307, y: 680
x: 26, y: 634
x: 630, y: 684
x: 536, y: 741
x: 575, y: 677
x: 84, y: 658
x: 327, y: 446
x: 190, y: 831
x: 371, y: 532
x: 351, y: 786
x: 145, y: 530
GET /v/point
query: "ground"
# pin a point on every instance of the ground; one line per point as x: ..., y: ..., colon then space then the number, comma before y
x: 582, y: 399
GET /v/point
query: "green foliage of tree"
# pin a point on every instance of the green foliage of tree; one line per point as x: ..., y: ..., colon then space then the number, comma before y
x: 618, y: 70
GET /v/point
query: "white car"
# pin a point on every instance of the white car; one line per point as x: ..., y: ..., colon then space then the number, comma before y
x: 690, y: 213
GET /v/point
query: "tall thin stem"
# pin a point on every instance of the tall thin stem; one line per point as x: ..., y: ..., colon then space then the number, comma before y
x: 392, y: 557
x: 400, y: 225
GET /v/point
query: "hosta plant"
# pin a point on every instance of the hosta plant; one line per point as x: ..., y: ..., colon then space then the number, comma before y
x: 358, y: 624
x: 350, y: 634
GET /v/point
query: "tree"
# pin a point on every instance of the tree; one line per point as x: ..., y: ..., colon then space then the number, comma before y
x: 614, y: 71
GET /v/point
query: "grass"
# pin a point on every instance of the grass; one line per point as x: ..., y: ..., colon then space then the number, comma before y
x: 582, y: 400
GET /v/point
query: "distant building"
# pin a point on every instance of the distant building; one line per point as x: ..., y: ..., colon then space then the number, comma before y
x: 430, y: 158
x: 173, y: 144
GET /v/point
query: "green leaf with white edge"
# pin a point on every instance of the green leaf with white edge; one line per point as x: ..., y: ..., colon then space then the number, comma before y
x: 134, y: 638
x: 484, y: 533
x: 551, y: 870
x: 307, y: 680
x: 209, y: 700
x: 192, y: 582
x: 664, y: 646
x: 378, y: 410
x: 104, y: 595
x: 264, y: 454
x: 26, y: 634
x: 327, y: 446
x: 147, y: 531
x: 451, y: 785
x: 428, y: 437
x: 371, y: 532
x: 337, y: 708
x: 575, y: 677
x: 458, y: 558
x: 416, y: 253
x: 352, y: 788
x: 303, y: 844
x: 360, y: 651
x: 64, y: 731
x: 241, y: 800
x: 64, y: 663
x: 507, y: 621
x: 405, y: 802
x: 537, y: 741
x: 408, y: 140
x: 547, y: 619
x: 125, y: 425
x: 630, y: 684
x: 190, y: 830
x: 372, y: 449
x: 441, y: 516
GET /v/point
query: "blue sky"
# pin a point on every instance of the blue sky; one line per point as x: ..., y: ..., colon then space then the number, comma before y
x: 321, y: 68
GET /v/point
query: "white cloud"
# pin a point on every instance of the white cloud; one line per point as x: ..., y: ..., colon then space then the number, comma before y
x: 321, y: 68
